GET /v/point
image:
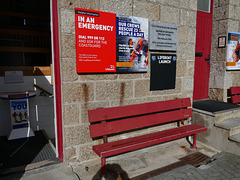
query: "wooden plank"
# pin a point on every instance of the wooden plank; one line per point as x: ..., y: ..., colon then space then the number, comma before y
x: 27, y: 70
x: 134, y: 143
x: 235, y: 90
x: 132, y: 123
x: 97, y: 115
x: 167, y: 132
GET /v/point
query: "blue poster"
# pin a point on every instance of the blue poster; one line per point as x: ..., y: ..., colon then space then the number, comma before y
x: 132, y: 44
x: 19, y: 111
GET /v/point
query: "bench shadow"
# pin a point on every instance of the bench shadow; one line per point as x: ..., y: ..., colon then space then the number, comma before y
x: 111, y: 172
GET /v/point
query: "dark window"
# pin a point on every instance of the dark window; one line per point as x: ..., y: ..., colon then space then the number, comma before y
x: 25, y: 33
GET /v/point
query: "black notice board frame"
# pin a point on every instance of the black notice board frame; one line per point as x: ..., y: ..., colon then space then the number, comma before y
x: 163, y: 71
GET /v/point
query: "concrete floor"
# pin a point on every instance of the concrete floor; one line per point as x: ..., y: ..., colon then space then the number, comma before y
x: 142, y: 161
x: 134, y: 163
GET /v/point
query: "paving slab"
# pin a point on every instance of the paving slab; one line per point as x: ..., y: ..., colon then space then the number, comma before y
x: 223, y: 166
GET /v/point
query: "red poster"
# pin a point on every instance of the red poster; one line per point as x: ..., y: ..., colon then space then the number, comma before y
x: 95, y: 41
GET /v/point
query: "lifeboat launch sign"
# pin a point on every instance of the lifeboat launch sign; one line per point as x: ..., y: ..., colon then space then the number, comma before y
x: 102, y: 45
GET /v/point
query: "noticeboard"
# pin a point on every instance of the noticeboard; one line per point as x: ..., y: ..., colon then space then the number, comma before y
x: 163, y: 71
x: 233, y: 51
x: 106, y: 42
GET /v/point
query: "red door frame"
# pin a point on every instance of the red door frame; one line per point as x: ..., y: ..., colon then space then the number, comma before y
x: 57, y: 76
x: 201, y: 88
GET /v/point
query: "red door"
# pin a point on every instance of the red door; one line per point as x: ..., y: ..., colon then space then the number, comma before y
x: 203, y: 53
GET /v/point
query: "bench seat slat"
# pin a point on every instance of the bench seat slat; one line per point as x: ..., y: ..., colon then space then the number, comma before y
x: 125, y: 145
x: 235, y: 99
x: 235, y: 90
x: 97, y: 115
x: 97, y: 130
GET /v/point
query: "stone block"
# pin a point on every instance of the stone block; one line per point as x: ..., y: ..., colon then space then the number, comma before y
x: 69, y: 73
x: 221, y: 13
x: 181, y: 68
x: 68, y: 41
x: 216, y: 94
x: 139, y: 100
x: 233, y: 2
x: 233, y: 25
x: 170, y: 97
x: 169, y: 14
x: 114, y: 90
x: 97, y: 77
x: 221, y: 54
x: 192, y: 35
x: 85, y: 4
x: 90, y: 106
x: 193, y: 5
x: 117, y: 6
x: 228, y: 80
x: 190, y: 68
x: 188, y: 18
x: 170, y: 2
x: 188, y: 84
x: 224, y: 2
x: 235, y: 79
x: 215, y: 4
x: 67, y: 21
x: 85, y: 153
x: 184, y: 4
x: 147, y: 10
x: 130, y: 76
x: 70, y: 155
x: 232, y: 13
x: 237, y: 13
x: 68, y: 53
x: 183, y: 34
x: 186, y: 51
x: 186, y: 94
x: 76, y: 92
x: 71, y: 114
x: 142, y: 88
x: 219, y: 82
x: 222, y: 27
x: 76, y: 135
x: 68, y: 46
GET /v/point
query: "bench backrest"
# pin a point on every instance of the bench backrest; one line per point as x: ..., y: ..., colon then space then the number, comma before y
x: 235, y: 94
x: 113, y: 120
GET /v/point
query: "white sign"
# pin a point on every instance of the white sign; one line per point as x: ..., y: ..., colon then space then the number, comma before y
x: 163, y: 36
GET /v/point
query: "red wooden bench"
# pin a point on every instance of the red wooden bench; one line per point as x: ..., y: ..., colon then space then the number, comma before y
x: 109, y: 121
x: 235, y: 94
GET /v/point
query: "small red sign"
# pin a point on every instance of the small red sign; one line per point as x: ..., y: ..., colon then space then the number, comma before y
x: 95, y: 41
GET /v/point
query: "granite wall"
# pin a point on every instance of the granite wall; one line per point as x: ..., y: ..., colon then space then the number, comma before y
x: 226, y: 18
x: 89, y: 91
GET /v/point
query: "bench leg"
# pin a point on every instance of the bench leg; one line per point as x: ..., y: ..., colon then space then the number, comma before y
x: 194, y: 142
x: 103, y: 161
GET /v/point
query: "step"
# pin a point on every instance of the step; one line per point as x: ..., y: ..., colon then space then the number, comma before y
x: 235, y: 138
x: 233, y: 125
x: 228, y: 124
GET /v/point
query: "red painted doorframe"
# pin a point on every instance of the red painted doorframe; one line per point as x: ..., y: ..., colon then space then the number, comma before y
x: 56, y: 59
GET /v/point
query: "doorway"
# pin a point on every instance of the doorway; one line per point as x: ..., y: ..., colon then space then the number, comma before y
x: 25, y: 47
x: 203, y: 49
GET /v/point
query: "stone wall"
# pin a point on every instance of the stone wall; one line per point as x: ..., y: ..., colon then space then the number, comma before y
x: 89, y: 91
x: 226, y: 18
